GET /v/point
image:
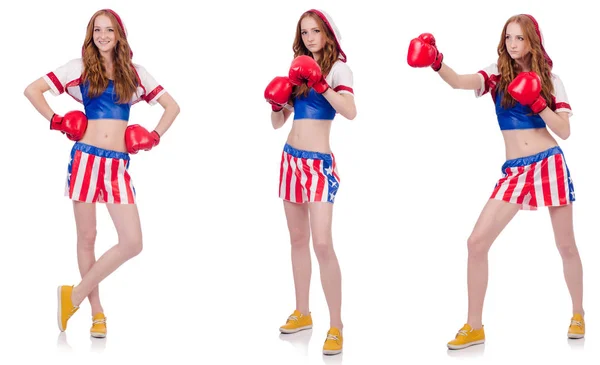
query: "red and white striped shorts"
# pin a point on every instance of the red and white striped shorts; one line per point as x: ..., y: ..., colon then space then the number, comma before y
x: 307, y: 176
x: 536, y: 181
x: 96, y: 175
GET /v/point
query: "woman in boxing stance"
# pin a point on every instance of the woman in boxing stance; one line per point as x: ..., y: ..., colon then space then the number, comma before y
x: 318, y: 86
x: 529, y: 99
x: 107, y: 83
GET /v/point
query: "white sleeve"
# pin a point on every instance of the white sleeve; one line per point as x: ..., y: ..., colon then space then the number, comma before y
x: 151, y: 89
x: 489, y: 78
x: 59, y: 78
x: 340, y: 78
x: 561, y: 101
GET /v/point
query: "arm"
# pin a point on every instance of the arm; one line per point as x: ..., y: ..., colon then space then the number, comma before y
x: 171, y: 111
x: 557, y: 122
x: 342, y: 103
x: 279, y: 118
x: 456, y: 81
x: 35, y: 93
x: 423, y: 52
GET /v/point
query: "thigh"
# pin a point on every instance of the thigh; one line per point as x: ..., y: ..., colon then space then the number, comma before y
x: 126, y: 219
x: 494, y: 217
x: 321, y: 217
x: 85, y: 217
x: 562, y: 222
x: 297, y: 219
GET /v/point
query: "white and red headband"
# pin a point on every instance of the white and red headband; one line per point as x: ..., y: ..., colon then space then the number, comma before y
x: 539, y: 34
x: 326, y: 18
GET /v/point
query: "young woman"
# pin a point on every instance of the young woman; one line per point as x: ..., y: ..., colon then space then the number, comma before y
x: 529, y: 99
x: 107, y: 83
x: 318, y: 86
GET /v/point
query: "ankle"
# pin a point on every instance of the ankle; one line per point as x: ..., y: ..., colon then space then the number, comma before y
x: 75, y: 298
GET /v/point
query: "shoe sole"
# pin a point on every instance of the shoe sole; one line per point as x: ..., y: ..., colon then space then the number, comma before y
x: 59, y: 313
x: 287, y: 332
x: 460, y: 347
x: 575, y: 336
x: 97, y: 334
x: 331, y: 352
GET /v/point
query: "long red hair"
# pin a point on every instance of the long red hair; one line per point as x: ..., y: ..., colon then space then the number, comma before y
x: 509, y: 69
x: 94, y: 71
x: 330, y: 50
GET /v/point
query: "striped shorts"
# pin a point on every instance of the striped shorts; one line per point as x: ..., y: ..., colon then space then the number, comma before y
x: 307, y: 176
x: 96, y: 175
x: 540, y: 180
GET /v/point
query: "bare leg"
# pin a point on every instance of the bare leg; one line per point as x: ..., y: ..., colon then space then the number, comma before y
x: 126, y: 220
x: 562, y: 223
x: 85, y: 220
x: 331, y: 276
x: 297, y: 220
x: 493, y: 219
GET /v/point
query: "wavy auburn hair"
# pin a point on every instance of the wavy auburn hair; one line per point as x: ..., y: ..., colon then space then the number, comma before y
x: 509, y: 69
x: 94, y: 71
x: 330, y: 51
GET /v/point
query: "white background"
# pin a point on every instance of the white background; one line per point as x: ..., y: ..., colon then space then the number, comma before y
x: 214, y: 282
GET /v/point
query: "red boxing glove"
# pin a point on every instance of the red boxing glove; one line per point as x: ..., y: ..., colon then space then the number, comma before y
x: 526, y: 88
x: 278, y: 92
x: 138, y: 138
x: 422, y: 52
x: 73, y: 124
x: 304, y: 69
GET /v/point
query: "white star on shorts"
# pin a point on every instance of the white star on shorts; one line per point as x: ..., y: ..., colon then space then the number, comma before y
x: 328, y: 170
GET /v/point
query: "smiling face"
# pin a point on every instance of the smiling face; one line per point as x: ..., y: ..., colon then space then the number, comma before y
x: 105, y: 35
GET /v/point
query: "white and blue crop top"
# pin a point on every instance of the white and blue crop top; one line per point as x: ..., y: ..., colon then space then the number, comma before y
x: 67, y: 78
x: 314, y: 105
x: 519, y: 116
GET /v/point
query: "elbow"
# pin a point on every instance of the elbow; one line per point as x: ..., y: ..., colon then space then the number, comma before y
x: 175, y: 109
x: 565, y: 135
x: 351, y: 115
x: 28, y: 92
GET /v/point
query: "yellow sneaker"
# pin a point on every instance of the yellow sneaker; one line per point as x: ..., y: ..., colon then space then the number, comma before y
x: 466, y: 337
x: 98, y: 329
x: 65, y: 307
x: 297, y: 322
x: 333, y: 342
x: 577, y: 327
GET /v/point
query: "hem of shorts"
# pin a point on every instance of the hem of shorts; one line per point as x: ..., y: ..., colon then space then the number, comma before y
x: 304, y: 202
x: 535, y: 207
x: 100, y: 202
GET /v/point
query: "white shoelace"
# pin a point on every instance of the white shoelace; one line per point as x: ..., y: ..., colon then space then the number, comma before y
x: 576, y: 323
x: 99, y: 321
x: 292, y: 318
x: 332, y: 337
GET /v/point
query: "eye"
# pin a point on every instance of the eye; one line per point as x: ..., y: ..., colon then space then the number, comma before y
x: 520, y: 38
x: 303, y: 32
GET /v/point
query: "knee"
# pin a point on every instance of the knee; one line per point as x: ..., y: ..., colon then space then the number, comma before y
x: 299, y: 238
x: 132, y: 246
x: 323, y: 250
x: 86, y: 238
x: 567, y: 250
x: 477, y: 246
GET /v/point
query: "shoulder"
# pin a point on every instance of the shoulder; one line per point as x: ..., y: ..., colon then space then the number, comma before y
x: 491, y: 69
x: 340, y: 66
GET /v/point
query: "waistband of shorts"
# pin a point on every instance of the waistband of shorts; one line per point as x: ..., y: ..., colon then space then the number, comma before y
x: 528, y: 160
x: 100, y: 152
x: 307, y: 154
